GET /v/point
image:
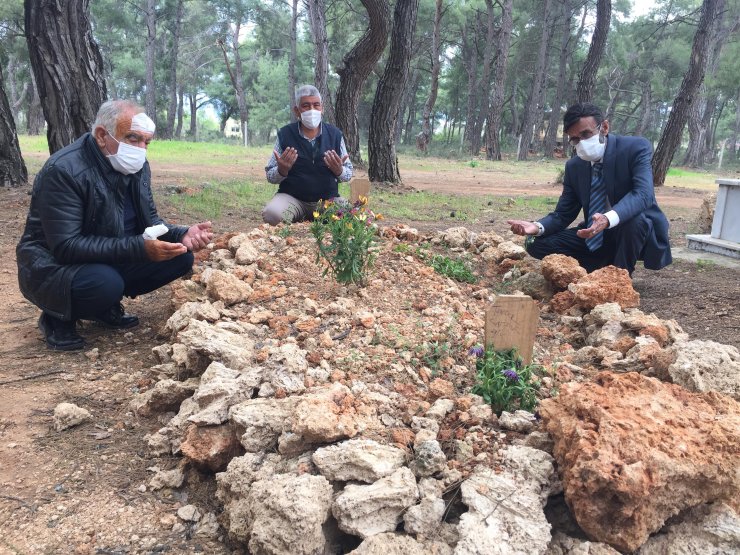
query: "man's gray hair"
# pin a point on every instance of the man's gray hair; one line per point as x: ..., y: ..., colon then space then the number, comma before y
x: 111, y: 111
x: 306, y: 90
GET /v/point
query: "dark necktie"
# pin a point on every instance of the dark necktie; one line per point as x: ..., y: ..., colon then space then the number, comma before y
x: 596, y: 204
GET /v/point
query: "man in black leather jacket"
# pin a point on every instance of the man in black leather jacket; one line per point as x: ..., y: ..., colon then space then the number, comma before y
x: 83, y: 247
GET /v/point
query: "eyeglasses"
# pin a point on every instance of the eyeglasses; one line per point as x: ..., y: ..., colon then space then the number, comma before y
x: 583, y: 135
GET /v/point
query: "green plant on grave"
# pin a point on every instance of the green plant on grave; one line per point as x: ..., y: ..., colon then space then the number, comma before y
x: 432, y: 353
x: 345, y: 234
x: 704, y: 264
x: 459, y: 270
x: 504, y: 381
x: 285, y: 230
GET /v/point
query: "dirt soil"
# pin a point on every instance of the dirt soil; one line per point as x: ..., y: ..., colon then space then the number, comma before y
x: 83, y: 490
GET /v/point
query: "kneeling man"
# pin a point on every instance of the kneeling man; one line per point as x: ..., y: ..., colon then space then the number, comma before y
x: 83, y: 247
x: 611, y: 180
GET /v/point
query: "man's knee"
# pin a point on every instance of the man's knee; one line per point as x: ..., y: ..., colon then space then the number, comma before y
x: 95, y: 286
x: 272, y: 215
x: 183, y: 264
x: 538, y: 248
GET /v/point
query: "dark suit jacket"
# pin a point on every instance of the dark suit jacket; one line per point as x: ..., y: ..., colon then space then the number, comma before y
x: 629, y: 187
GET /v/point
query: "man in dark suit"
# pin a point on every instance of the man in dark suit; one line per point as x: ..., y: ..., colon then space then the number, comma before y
x: 611, y: 180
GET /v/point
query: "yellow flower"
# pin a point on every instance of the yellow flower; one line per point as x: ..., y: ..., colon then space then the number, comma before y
x: 362, y: 217
x: 327, y: 203
x: 316, y: 214
x: 379, y: 216
x: 335, y: 217
x: 362, y: 199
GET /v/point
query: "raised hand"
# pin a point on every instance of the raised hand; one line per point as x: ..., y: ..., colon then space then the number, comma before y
x: 285, y: 160
x: 334, y: 162
x: 198, y: 236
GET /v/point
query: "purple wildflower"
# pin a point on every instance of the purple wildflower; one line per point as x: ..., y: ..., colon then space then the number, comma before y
x: 340, y: 213
x: 511, y: 375
x: 477, y: 351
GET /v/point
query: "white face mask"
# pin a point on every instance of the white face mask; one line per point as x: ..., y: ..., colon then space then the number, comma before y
x: 129, y: 159
x: 311, y: 118
x: 592, y: 149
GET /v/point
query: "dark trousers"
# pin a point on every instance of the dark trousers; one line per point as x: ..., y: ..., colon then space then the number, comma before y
x: 622, y: 245
x: 97, y: 287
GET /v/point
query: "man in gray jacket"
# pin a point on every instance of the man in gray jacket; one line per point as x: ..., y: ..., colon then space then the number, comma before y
x: 84, y: 247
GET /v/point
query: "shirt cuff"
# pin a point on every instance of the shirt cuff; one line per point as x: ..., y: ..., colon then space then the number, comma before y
x: 613, y: 218
x: 540, y: 228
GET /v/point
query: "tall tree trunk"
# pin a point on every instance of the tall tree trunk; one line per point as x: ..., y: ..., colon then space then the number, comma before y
x: 470, y: 62
x: 533, y: 111
x: 697, y: 130
x: 13, y: 171
x: 736, y: 129
x: 410, y: 102
x: 193, y: 132
x: 292, y: 83
x: 551, y: 135
x: 236, y: 79
x: 383, y: 164
x: 427, y: 119
x: 711, y: 14
x: 35, y: 120
x: 481, y: 96
x: 150, y: 16
x: 496, y: 108
x: 646, y: 110
x: 67, y: 65
x: 587, y: 80
x: 169, y: 130
x: 317, y: 18
x: 356, y: 67
x: 180, y: 110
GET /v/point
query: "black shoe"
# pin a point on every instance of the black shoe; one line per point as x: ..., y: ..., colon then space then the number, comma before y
x: 60, y: 335
x: 116, y: 318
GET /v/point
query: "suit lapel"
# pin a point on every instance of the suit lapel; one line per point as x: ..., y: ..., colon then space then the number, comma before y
x: 610, y: 160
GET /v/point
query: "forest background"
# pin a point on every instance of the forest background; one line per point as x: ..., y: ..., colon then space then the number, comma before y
x: 452, y: 78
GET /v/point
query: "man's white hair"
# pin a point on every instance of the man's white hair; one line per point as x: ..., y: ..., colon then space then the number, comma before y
x: 306, y: 90
x: 111, y: 111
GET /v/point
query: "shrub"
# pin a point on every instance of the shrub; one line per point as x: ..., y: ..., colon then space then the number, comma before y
x: 458, y: 270
x: 504, y: 381
x: 344, y: 236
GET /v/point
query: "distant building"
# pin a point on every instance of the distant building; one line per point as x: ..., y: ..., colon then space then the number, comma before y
x: 233, y: 129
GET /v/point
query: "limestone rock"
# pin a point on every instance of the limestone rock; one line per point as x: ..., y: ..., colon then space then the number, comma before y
x: 534, y: 467
x: 368, y: 510
x: 213, y: 342
x: 428, y: 458
x: 633, y: 451
x: 424, y: 519
x: 189, y: 513
x: 707, y: 366
x: 706, y: 213
x: 457, y: 237
x: 68, y: 415
x: 705, y: 529
x: 220, y: 388
x: 260, y: 422
x: 192, y: 311
x: 389, y: 543
x: 167, y: 478
x: 518, y: 421
x: 535, y: 285
x: 358, y: 460
x: 565, y: 545
x: 286, y: 514
x: 504, y: 516
x: 606, y: 285
x: 210, y: 447
x: 561, y: 270
x: 226, y: 287
x: 505, y: 250
x: 247, y: 253
x: 327, y: 415
x: 166, y: 395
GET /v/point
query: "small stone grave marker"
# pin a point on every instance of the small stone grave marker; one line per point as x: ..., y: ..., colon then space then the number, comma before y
x: 511, y: 322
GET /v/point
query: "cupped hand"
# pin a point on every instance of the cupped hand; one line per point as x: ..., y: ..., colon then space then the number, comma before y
x: 523, y: 227
x: 198, y: 236
x: 285, y: 160
x: 599, y: 223
x: 334, y: 162
x: 159, y: 251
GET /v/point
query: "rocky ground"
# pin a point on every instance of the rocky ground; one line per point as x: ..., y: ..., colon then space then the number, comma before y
x: 345, y: 417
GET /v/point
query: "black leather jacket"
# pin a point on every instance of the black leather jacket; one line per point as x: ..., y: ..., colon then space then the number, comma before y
x: 76, y: 217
